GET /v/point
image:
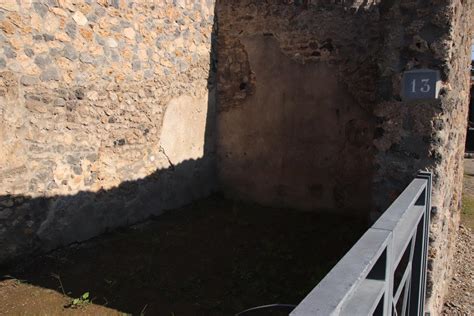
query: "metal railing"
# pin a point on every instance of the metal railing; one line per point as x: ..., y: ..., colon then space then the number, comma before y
x: 384, y: 273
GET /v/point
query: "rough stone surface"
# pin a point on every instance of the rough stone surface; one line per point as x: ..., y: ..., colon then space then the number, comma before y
x: 79, y: 17
x: 102, y: 109
x: 99, y: 128
x: 9, y: 5
x: 363, y: 48
x: 29, y: 80
x: 425, y: 135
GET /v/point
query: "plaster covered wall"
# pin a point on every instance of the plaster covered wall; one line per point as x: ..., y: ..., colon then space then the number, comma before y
x: 106, y: 112
x: 295, y: 90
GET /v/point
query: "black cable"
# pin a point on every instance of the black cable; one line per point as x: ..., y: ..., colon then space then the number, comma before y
x: 286, y: 306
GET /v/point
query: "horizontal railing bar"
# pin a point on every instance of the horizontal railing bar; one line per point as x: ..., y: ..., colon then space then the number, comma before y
x: 389, y: 219
x: 365, y: 299
x: 342, y: 281
x: 346, y: 290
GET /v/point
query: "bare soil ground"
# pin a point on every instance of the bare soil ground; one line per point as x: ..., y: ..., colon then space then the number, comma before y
x: 460, y: 298
x: 214, y: 257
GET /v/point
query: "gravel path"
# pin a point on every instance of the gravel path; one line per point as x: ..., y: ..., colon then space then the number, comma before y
x: 460, y: 298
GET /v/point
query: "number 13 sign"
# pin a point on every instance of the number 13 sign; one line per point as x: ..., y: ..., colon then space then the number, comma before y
x: 420, y: 84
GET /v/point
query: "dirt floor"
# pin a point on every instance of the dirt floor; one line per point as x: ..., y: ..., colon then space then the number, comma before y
x: 215, y: 257
x: 460, y: 298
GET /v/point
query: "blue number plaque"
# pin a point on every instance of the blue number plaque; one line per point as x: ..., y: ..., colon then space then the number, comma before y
x: 420, y: 84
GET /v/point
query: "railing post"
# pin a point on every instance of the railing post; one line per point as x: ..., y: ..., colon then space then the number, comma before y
x: 418, y: 293
x: 388, y: 295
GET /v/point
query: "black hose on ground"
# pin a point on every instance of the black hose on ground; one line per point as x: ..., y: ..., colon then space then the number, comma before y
x: 283, y: 307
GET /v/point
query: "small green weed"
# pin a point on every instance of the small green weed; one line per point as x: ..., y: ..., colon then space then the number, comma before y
x: 80, y: 301
x: 75, y: 302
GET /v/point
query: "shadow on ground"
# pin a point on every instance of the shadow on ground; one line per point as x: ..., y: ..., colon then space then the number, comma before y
x: 214, y: 257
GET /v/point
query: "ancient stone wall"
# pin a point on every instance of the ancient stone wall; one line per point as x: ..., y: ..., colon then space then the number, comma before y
x: 427, y: 135
x: 310, y: 112
x: 296, y: 87
x: 106, y: 112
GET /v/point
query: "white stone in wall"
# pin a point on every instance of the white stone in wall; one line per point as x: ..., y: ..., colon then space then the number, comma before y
x: 9, y: 5
x: 79, y: 18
